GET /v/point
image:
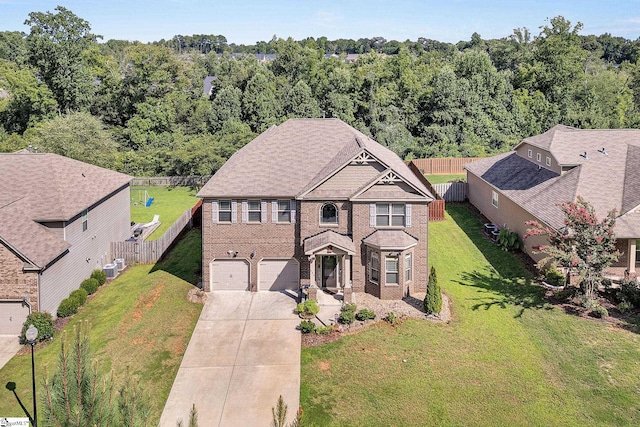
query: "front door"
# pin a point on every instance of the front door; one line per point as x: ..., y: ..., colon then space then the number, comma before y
x: 329, y: 271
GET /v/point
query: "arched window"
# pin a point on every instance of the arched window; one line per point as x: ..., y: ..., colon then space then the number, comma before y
x: 329, y: 214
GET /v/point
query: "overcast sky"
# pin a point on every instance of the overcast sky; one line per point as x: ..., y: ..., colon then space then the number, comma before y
x: 250, y: 21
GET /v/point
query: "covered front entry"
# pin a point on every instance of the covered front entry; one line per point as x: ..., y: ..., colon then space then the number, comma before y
x: 278, y: 275
x: 229, y: 275
x: 328, y: 271
x: 330, y: 259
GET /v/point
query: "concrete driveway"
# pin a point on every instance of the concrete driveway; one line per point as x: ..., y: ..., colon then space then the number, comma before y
x: 9, y: 346
x: 243, y: 354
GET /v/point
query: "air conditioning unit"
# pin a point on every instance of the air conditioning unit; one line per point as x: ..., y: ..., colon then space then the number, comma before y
x: 120, y: 263
x: 111, y: 270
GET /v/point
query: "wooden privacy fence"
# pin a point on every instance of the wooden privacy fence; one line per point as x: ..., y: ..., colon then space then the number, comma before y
x: 443, y: 166
x: 452, y: 191
x: 436, y: 210
x: 170, y: 181
x: 150, y: 251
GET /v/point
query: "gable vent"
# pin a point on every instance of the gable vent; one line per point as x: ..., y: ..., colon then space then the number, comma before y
x: 603, y: 152
x: 584, y: 155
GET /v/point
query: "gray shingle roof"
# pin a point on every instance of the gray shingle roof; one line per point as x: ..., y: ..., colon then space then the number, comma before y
x: 294, y: 157
x: 390, y: 240
x: 607, y: 181
x: 326, y: 238
x: 46, y: 187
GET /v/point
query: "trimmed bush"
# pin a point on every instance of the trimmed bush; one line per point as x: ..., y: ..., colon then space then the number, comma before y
x: 365, y: 314
x: 307, y: 326
x: 309, y: 307
x: 623, y: 307
x: 41, y: 320
x: 347, y: 317
x: 391, y: 318
x: 349, y: 307
x: 629, y: 292
x: 90, y: 285
x: 554, y: 277
x: 599, y: 312
x: 80, y: 295
x: 433, y: 298
x: 324, y: 330
x: 68, y: 307
x: 100, y: 276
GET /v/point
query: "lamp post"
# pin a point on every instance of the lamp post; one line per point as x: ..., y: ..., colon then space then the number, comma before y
x: 31, y: 335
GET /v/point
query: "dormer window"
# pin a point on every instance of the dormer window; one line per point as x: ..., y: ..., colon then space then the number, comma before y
x: 329, y: 214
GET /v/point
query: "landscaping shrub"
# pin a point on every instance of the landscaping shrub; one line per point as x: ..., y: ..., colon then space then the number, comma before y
x: 509, y: 240
x: 347, y: 317
x: 41, y: 320
x: 68, y: 307
x: 391, y: 318
x: 629, y: 292
x: 554, y: 277
x: 433, y: 298
x: 564, y: 295
x: 365, y: 314
x: 349, y: 307
x: 588, y: 302
x: 100, y: 276
x: 307, y: 326
x: 80, y: 295
x: 308, y: 307
x: 623, y: 307
x: 324, y: 330
x: 599, y: 312
x: 90, y: 285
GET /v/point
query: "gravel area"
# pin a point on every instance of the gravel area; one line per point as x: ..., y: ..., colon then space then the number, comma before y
x: 407, y: 307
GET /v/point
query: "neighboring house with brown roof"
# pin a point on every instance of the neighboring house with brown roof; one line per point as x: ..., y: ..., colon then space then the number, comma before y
x: 57, y: 219
x: 558, y: 166
x: 314, y: 202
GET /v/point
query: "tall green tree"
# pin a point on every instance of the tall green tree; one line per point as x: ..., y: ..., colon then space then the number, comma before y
x: 56, y: 44
x: 433, y: 298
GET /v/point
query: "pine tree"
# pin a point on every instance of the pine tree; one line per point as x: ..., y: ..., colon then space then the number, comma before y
x: 433, y: 299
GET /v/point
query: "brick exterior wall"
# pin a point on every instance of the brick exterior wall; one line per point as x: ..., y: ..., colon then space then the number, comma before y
x: 269, y: 240
x: 14, y: 282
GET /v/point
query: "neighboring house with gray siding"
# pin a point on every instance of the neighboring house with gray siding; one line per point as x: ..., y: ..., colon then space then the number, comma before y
x: 528, y: 183
x: 314, y: 202
x: 58, y: 217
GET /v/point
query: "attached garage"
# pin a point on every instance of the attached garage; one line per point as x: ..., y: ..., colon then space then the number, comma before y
x: 278, y: 274
x: 229, y: 275
x: 12, y: 317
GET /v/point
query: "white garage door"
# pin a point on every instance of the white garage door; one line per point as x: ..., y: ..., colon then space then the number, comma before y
x: 278, y: 274
x: 12, y: 317
x: 229, y: 275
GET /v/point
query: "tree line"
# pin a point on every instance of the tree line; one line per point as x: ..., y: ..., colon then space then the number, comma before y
x: 140, y: 108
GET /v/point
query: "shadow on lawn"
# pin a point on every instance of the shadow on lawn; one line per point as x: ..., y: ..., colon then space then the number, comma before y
x: 512, y: 281
x: 184, y: 258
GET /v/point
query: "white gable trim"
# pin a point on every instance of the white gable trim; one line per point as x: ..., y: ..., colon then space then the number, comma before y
x: 389, y: 176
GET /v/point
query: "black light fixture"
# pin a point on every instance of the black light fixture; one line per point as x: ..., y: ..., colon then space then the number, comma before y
x: 32, y: 335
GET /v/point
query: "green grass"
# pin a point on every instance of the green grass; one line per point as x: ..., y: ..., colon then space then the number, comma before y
x: 169, y: 203
x: 441, y: 179
x: 141, y: 320
x: 506, y: 359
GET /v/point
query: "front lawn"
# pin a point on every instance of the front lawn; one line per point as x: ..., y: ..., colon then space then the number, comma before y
x: 168, y: 202
x: 141, y: 320
x: 507, y: 358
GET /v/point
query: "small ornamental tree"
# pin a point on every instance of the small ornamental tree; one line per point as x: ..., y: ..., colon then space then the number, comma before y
x: 584, y: 245
x: 433, y: 299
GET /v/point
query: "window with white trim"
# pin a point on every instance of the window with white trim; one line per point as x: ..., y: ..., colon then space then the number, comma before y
x: 548, y: 161
x: 390, y: 214
x: 391, y: 269
x: 224, y: 211
x: 329, y: 214
x: 408, y: 274
x: 374, y: 274
x: 539, y: 157
x: 494, y: 199
x: 530, y: 153
x: 254, y: 210
x: 85, y: 220
x: 284, y: 211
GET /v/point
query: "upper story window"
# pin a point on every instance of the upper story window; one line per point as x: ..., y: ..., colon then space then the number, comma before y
x: 329, y: 214
x: 539, y: 157
x: 254, y: 211
x: 390, y: 214
x: 224, y: 211
x: 391, y: 268
x: 85, y: 220
x: 283, y: 211
x: 530, y: 153
x: 548, y: 161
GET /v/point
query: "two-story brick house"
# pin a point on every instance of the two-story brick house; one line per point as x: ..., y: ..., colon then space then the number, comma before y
x: 315, y: 202
x: 58, y: 217
x: 542, y: 171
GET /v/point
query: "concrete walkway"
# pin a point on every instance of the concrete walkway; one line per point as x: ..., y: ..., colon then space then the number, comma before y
x: 243, y: 354
x: 9, y: 346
